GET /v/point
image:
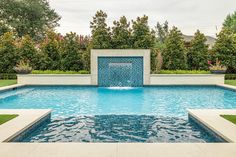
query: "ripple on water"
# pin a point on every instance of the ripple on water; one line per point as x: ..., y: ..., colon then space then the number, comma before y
x: 119, y: 128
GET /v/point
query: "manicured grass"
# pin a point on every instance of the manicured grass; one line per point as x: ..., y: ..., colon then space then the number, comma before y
x: 184, y: 72
x: 59, y: 72
x: 7, y: 82
x: 5, y: 118
x: 230, y: 82
x: 231, y: 118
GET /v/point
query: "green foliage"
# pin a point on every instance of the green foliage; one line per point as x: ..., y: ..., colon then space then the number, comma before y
x: 142, y: 36
x: 230, y: 76
x: 6, y: 76
x: 230, y: 22
x: 51, y: 52
x: 28, y: 52
x: 101, y: 37
x: 32, y: 17
x: 162, y: 32
x: 225, y: 49
x: 184, y: 72
x: 198, y: 52
x: 8, y: 53
x: 174, y: 55
x: 71, y: 55
x: 59, y: 72
x: 121, y: 34
x: 4, y: 27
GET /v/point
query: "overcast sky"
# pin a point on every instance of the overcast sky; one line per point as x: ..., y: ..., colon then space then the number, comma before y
x: 188, y: 15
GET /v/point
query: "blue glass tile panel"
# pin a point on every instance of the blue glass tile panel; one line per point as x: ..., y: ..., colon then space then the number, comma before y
x: 120, y: 71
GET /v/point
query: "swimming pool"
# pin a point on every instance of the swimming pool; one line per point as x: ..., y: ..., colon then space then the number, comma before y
x: 82, y: 113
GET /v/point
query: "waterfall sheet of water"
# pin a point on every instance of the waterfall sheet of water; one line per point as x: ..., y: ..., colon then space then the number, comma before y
x: 120, y: 74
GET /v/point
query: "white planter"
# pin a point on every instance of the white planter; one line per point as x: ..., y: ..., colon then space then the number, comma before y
x: 54, y: 79
x: 186, y: 79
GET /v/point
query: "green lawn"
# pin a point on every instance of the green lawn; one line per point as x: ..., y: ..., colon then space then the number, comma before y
x: 7, y: 82
x: 230, y: 82
x: 5, y: 118
x: 231, y: 118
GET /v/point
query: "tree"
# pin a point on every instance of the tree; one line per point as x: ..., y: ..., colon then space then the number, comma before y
x: 101, y: 37
x: 29, y: 17
x: 225, y: 49
x: 71, y: 55
x: 162, y: 32
x: 198, y: 52
x: 174, y: 56
x: 142, y: 36
x: 121, y: 34
x: 230, y: 22
x: 51, y: 51
x: 28, y: 52
x: 8, y: 53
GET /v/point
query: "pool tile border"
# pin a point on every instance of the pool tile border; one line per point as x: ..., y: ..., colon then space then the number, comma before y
x: 26, y: 121
x: 212, y: 120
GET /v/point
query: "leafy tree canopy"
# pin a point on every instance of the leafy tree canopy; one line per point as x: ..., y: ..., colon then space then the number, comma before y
x: 230, y: 22
x: 101, y: 37
x: 28, y: 52
x: 225, y: 49
x: 161, y: 33
x: 71, y: 54
x: 8, y: 53
x: 198, y: 52
x: 29, y: 17
x: 121, y: 34
x: 174, y: 56
x: 142, y: 36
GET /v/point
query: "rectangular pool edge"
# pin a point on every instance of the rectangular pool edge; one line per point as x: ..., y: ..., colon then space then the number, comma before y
x: 211, y: 121
x: 27, y: 120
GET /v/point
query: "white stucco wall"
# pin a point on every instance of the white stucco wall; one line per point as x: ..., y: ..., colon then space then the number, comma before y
x: 95, y: 53
x: 86, y: 79
x: 54, y: 79
x: 186, y: 79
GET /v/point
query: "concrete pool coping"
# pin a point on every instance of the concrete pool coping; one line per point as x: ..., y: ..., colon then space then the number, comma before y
x: 5, y: 88
x: 117, y: 150
x: 211, y: 119
x: 18, y: 126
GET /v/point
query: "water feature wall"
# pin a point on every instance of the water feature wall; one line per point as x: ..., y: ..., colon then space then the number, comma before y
x: 120, y: 71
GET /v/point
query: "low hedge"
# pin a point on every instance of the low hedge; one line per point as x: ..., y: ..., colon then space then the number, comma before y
x: 230, y: 77
x: 58, y: 72
x: 184, y: 72
x: 4, y: 76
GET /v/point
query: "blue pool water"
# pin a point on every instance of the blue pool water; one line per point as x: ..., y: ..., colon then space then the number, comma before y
x: 68, y: 101
x: 92, y: 114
